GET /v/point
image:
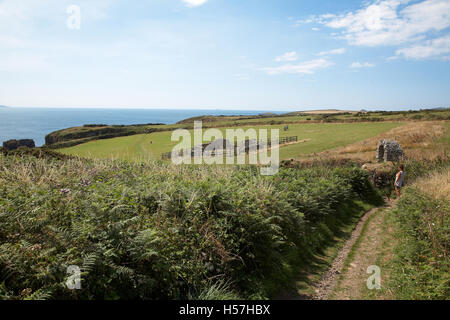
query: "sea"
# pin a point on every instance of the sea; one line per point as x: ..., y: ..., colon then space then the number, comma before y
x: 36, y: 123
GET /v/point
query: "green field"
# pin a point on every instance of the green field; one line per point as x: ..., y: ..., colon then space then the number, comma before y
x: 320, y: 137
x: 70, y: 137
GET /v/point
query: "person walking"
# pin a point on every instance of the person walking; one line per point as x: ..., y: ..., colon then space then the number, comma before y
x: 400, y: 179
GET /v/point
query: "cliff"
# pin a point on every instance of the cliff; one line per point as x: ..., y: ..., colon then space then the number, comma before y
x: 78, y: 135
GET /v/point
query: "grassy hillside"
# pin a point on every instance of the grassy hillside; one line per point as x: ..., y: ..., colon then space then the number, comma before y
x: 78, y: 135
x: 319, y: 137
x: 420, y: 140
x: 157, y: 231
x: 324, y: 116
x: 151, y: 230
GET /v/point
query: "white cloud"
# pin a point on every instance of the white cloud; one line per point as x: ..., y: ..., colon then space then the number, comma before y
x: 305, y: 21
x: 428, y: 49
x: 288, y: 56
x: 332, y: 52
x: 359, y: 65
x: 308, y: 67
x: 194, y: 3
x: 394, y: 23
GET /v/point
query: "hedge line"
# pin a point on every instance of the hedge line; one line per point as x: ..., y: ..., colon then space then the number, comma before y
x: 164, y: 232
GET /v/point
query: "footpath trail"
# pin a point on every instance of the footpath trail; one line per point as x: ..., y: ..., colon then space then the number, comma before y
x: 346, y: 278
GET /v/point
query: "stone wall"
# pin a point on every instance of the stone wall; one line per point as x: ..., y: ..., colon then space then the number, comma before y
x: 389, y: 150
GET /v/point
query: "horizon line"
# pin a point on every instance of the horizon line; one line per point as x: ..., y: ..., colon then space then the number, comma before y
x: 300, y: 109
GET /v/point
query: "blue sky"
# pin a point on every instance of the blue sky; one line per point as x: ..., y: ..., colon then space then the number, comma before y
x: 226, y: 54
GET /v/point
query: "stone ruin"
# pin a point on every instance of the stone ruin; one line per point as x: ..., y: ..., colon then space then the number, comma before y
x: 216, y: 145
x: 223, y: 146
x: 389, y: 150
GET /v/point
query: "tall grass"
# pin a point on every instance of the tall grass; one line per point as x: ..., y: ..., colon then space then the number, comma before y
x: 421, y: 268
x: 421, y: 141
x: 157, y: 231
x: 436, y: 184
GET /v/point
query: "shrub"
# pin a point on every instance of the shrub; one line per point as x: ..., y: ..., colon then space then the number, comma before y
x: 157, y: 231
x: 421, y: 265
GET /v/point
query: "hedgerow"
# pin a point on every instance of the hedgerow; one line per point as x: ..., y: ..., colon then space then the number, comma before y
x: 420, y: 268
x: 157, y: 231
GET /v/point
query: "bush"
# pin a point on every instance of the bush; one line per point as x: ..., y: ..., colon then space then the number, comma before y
x: 421, y: 265
x: 94, y: 125
x: 39, y: 153
x: 156, y: 231
x: 16, y: 144
x: 78, y: 135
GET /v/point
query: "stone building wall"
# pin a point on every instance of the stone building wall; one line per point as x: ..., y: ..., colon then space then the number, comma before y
x: 389, y: 150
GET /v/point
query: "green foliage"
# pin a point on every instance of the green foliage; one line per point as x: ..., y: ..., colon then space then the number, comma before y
x: 384, y: 178
x: 318, y: 137
x: 416, y: 169
x: 36, y: 152
x: 156, y: 231
x: 78, y: 135
x: 217, y: 291
x: 71, y: 137
x: 421, y: 266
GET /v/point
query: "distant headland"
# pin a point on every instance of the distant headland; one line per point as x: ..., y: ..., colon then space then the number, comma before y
x: 3, y: 107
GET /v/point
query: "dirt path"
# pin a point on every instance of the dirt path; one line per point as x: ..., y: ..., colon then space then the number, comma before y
x: 352, y: 283
x: 346, y: 284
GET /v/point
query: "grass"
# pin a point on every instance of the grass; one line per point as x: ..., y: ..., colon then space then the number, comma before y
x: 319, y: 137
x: 78, y: 135
x: 425, y: 140
x: 323, y: 260
x: 384, y: 260
x: 327, y: 116
x: 132, y: 148
x: 328, y: 136
x: 357, y: 244
x: 436, y: 185
x: 413, y: 253
x: 420, y: 268
x: 159, y: 231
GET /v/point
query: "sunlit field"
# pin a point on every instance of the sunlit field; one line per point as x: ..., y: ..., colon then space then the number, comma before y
x: 313, y: 138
